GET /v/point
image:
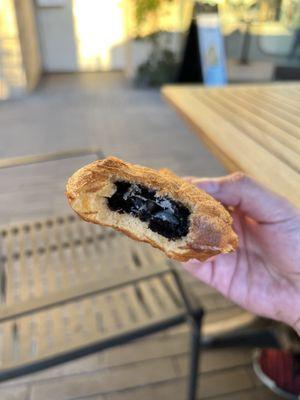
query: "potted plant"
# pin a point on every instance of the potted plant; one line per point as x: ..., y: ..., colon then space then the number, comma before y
x: 156, y: 62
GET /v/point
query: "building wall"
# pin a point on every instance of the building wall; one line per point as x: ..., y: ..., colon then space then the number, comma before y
x: 19, y: 66
x: 82, y: 35
x: 29, y: 43
x: 57, y: 37
x: 95, y: 35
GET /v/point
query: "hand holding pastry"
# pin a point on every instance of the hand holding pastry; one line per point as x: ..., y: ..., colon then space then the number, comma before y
x: 263, y: 275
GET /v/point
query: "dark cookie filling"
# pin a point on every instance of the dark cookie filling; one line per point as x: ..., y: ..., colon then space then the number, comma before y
x: 165, y: 216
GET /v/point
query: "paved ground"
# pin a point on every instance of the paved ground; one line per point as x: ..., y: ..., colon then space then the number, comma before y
x: 102, y: 110
x: 68, y: 112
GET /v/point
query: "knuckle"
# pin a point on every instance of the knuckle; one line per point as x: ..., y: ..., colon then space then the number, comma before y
x: 240, y: 177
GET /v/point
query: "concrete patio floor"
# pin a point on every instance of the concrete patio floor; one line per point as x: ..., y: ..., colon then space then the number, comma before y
x: 72, y: 111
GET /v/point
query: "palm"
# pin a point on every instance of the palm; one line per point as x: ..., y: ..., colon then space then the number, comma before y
x: 261, y: 275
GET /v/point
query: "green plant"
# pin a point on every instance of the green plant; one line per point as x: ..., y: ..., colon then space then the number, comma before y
x: 160, y: 68
x: 146, y: 8
x: 161, y: 64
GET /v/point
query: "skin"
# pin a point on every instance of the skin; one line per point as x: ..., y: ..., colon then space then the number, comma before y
x: 263, y: 274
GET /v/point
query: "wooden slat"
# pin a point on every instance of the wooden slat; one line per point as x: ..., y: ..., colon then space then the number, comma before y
x: 253, y: 120
x: 7, y: 347
x: 130, y: 314
x: 135, y: 304
x: 98, y: 316
x: 289, y: 94
x: 218, y: 359
x: 28, y: 266
x: 103, y: 255
x: 95, y: 250
x: 282, y: 146
x: 73, y: 251
x: 277, y: 100
x: 123, y: 255
x: 33, y: 327
x: 57, y: 329
x: 80, y: 322
x: 264, y: 110
x: 62, y: 267
x: 83, y: 234
x: 285, y: 98
x: 274, y: 106
x: 67, y: 322
x: 170, y: 284
x: 47, y: 276
x: 11, y: 274
x: 138, y: 256
x: 33, y: 263
x: 160, y: 292
x: 108, y: 319
x: 155, y: 297
x: 44, y: 333
x: 233, y: 146
x: 88, y: 319
x: 107, y: 381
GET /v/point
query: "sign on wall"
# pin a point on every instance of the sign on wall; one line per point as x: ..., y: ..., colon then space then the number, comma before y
x: 211, y: 48
x: 204, y: 58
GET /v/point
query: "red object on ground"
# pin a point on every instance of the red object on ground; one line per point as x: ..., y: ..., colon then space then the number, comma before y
x: 282, y: 367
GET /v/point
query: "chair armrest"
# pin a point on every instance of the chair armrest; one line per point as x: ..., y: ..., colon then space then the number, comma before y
x: 39, y: 158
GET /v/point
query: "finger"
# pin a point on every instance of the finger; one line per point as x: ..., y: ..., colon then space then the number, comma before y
x: 216, y: 272
x: 249, y: 196
x: 199, y: 270
x: 211, y: 184
x: 191, y: 179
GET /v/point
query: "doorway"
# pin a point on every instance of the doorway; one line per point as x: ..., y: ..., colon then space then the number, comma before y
x: 82, y: 35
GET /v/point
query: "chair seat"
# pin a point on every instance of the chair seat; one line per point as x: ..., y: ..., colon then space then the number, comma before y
x: 53, y: 260
x: 69, y: 288
x: 92, y: 323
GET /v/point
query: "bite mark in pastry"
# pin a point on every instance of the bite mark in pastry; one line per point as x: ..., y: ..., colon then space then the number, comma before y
x: 152, y: 206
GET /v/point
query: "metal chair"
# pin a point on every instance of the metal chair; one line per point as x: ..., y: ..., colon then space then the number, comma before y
x: 68, y: 289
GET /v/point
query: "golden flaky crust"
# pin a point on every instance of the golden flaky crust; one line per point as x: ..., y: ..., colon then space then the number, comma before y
x: 210, y: 231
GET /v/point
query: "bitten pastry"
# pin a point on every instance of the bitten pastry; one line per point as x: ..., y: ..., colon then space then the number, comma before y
x: 152, y: 206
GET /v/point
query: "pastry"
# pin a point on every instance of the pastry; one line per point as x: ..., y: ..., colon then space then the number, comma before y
x: 152, y: 206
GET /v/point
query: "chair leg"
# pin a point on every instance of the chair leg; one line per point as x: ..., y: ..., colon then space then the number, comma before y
x: 194, y: 357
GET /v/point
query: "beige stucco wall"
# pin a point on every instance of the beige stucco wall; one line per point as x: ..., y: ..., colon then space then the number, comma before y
x: 83, y: 35
x: 20, y: 63
x: 28, y: 37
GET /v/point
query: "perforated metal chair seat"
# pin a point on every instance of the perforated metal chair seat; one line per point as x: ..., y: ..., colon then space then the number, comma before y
x: 88, y: 324
x: 69, y: 288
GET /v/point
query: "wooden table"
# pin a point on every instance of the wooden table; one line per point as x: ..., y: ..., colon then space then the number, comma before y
x: 251, y: 128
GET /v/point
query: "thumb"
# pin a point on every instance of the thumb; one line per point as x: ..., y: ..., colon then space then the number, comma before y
x: 252, y: 198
